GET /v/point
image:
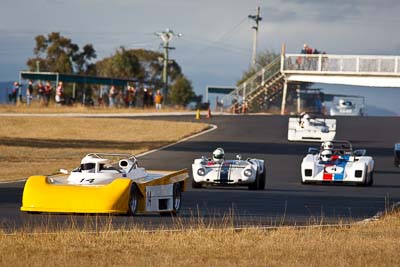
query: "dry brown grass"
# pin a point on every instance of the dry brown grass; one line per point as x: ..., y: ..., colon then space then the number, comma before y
x: 371, y: 244
x: 30, y: 145
x: 52, y: 108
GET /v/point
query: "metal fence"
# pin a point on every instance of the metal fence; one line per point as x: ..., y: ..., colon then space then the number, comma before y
x: 373, y: 65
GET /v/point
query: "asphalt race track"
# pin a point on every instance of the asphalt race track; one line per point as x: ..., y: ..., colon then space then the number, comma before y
x: 284, y: 201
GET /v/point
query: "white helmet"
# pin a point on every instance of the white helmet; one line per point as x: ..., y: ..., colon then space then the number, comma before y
x: 326, y: 155
x: 306, y: 117
x: 327, y: 145
x: 218, y: 155
x: 88, y: 164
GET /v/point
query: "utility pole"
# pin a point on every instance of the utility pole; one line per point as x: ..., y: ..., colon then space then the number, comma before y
x: 256, y: 18
x: 166, y: 36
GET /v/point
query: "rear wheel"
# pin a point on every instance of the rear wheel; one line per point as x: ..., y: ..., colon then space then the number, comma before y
x: 133, y: 200
x: 176, y: 201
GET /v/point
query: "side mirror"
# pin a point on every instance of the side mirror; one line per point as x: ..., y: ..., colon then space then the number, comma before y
x: 64, y: 171
x: 239, y: 157
x: 313, y: 150
x: 359, y: 152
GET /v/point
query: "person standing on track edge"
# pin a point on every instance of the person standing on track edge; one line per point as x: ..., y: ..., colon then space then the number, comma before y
x: 59, y: 94
x: 158, y: 98
x: 29, y: 93
x: 47, y: 92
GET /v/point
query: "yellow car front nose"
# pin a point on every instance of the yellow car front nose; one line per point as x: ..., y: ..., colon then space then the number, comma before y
x: 42, y: 196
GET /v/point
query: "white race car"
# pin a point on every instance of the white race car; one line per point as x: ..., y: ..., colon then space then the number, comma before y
x: 336, y: 162
x: 347, y: 106
x: 249, y: 172
x: 311, y: 128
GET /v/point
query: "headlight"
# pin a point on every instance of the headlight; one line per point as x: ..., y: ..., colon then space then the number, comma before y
x: 201, y: 172
x: 247, y: 173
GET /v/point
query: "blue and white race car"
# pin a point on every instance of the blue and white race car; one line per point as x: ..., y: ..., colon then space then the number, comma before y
x: 336, y: 162
x: 219, y: 171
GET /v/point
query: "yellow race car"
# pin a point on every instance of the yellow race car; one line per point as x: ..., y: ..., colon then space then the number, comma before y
x: 106, y: 183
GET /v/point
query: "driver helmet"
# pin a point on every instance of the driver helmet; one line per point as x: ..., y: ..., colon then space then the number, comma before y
x: 218, y: 155
x: 87, y: 164
x: 326, y: 155
x: 327, y: 145
x: 306, y: 117
x: 341, y: 102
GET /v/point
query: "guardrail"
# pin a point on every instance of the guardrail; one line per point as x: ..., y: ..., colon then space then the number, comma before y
x: 342, y: 64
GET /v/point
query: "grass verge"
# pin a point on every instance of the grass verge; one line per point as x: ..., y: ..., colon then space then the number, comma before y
x: 371, y: 244
x: 52, y: 108
x: 31, y: 145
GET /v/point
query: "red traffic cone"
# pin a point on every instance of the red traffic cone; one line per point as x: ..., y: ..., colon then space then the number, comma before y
x: 209, y: 113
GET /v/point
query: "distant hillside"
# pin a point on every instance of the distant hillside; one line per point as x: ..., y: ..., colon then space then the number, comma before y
x: 5, y: 89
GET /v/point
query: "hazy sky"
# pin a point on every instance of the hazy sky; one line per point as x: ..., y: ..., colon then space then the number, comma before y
x: 217, y: 38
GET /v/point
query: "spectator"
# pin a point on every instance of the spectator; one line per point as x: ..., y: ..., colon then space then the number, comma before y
x: 15, y: 92
x: 40, y: 90
x: 145, y: 97
x: 59, y: 94
x: 29, y: 93
x: 48, y: 89
x: 112, y: 95
x: 150, y: 98
x: 131, y: 96
x: 158, y: 98
x: 304, y: 50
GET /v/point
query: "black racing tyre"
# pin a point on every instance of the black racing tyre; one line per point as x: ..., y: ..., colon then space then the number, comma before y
x: 365, y: 182
x: 176, y: 201
x: 396, y: 162
x: 262, y: 180
x: 256, y: 184
x: 371, y: 179
x: 177, y: 197
x: 196, y: 184
x: 133, y: 200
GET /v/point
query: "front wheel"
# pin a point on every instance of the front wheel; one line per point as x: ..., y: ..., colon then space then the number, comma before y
x: 396, y: 162
x: 262, y: 180
x: 371, y: 179
x: 256, y: 184
x: 133, y: 200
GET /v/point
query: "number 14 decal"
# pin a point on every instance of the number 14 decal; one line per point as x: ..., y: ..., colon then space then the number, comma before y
x: 87, y: 180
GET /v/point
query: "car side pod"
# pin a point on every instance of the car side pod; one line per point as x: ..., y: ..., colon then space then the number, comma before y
x: 41, y: 195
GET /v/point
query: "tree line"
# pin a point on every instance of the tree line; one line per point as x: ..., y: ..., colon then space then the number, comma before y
x: 57, y: 53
